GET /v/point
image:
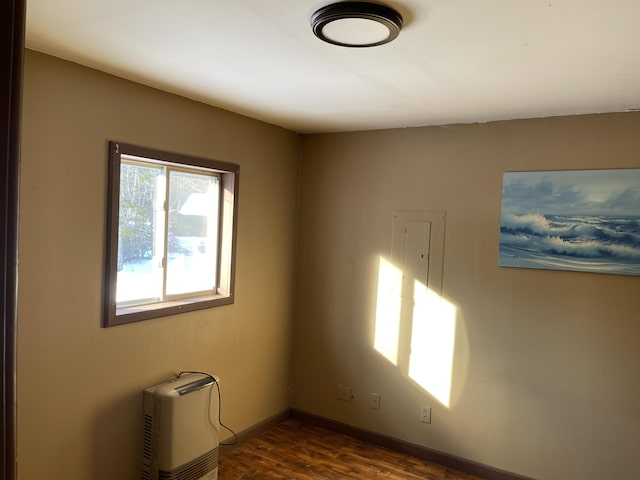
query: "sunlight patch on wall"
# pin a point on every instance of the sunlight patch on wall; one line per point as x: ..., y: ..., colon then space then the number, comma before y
x: 432, y: 343
x: 415, y: 330
x: 387, y: 327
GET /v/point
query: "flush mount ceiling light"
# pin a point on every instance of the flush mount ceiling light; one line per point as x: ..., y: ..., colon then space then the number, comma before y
x: 356, y: 24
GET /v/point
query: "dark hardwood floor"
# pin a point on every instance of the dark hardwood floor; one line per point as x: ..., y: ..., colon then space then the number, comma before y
x: 296, y: 450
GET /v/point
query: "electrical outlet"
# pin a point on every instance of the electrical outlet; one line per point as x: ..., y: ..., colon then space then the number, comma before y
x: 425, y: 414
x: 344, y: 393
x: 375, y: 401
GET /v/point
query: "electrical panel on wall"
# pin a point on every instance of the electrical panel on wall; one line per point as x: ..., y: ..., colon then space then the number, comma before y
x: 415, y: 292
x: 417, y: 248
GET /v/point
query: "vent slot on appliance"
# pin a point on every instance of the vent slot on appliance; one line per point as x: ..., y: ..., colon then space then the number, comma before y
x: 194, y: 470
x: 148, y: 435
x: 193, y: 386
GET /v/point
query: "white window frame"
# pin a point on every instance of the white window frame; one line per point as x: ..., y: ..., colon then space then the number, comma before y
x: 228, y: 174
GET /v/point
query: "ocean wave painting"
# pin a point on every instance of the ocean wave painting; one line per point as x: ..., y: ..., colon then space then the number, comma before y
x: 581, y: 220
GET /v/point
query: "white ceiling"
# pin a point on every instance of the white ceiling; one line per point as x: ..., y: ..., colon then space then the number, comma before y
x: 455, y: 61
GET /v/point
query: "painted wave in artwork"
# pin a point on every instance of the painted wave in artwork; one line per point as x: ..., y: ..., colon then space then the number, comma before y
x: 582, y: 220
x: 586, y: 243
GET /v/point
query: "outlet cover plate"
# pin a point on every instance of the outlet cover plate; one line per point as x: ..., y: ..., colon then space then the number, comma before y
x: 425, y: 414
x: 345, y: 393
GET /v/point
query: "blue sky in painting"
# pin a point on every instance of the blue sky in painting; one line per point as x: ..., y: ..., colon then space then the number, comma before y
x: 579, y: 192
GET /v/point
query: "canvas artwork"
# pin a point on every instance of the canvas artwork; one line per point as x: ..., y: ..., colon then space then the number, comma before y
x: 581, y: 220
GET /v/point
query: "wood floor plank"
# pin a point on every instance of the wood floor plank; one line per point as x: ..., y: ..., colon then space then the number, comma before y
x: 294, y: 450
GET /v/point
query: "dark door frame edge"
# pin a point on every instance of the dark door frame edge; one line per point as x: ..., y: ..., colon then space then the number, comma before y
x: 12, y: 34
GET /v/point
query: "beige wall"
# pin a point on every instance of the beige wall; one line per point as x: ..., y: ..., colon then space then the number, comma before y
x: 79, y: 385
x: 544, y: 380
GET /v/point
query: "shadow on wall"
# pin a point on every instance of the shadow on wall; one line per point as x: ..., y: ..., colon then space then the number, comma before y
x: 416, y: 330
x: 117, y: 439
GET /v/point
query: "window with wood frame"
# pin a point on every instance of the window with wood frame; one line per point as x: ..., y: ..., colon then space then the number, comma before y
x: 171, y: 229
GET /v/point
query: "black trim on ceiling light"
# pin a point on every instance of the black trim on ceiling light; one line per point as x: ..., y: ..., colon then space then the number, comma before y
x: 374, y: 12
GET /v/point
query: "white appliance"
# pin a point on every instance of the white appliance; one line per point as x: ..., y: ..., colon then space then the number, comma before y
x: 181, y: 428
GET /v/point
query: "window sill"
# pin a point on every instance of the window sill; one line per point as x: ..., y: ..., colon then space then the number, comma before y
x: 162, y: 309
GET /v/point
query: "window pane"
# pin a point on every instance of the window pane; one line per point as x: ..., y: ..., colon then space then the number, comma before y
x: 192, y: 241
x: 141, y: 220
